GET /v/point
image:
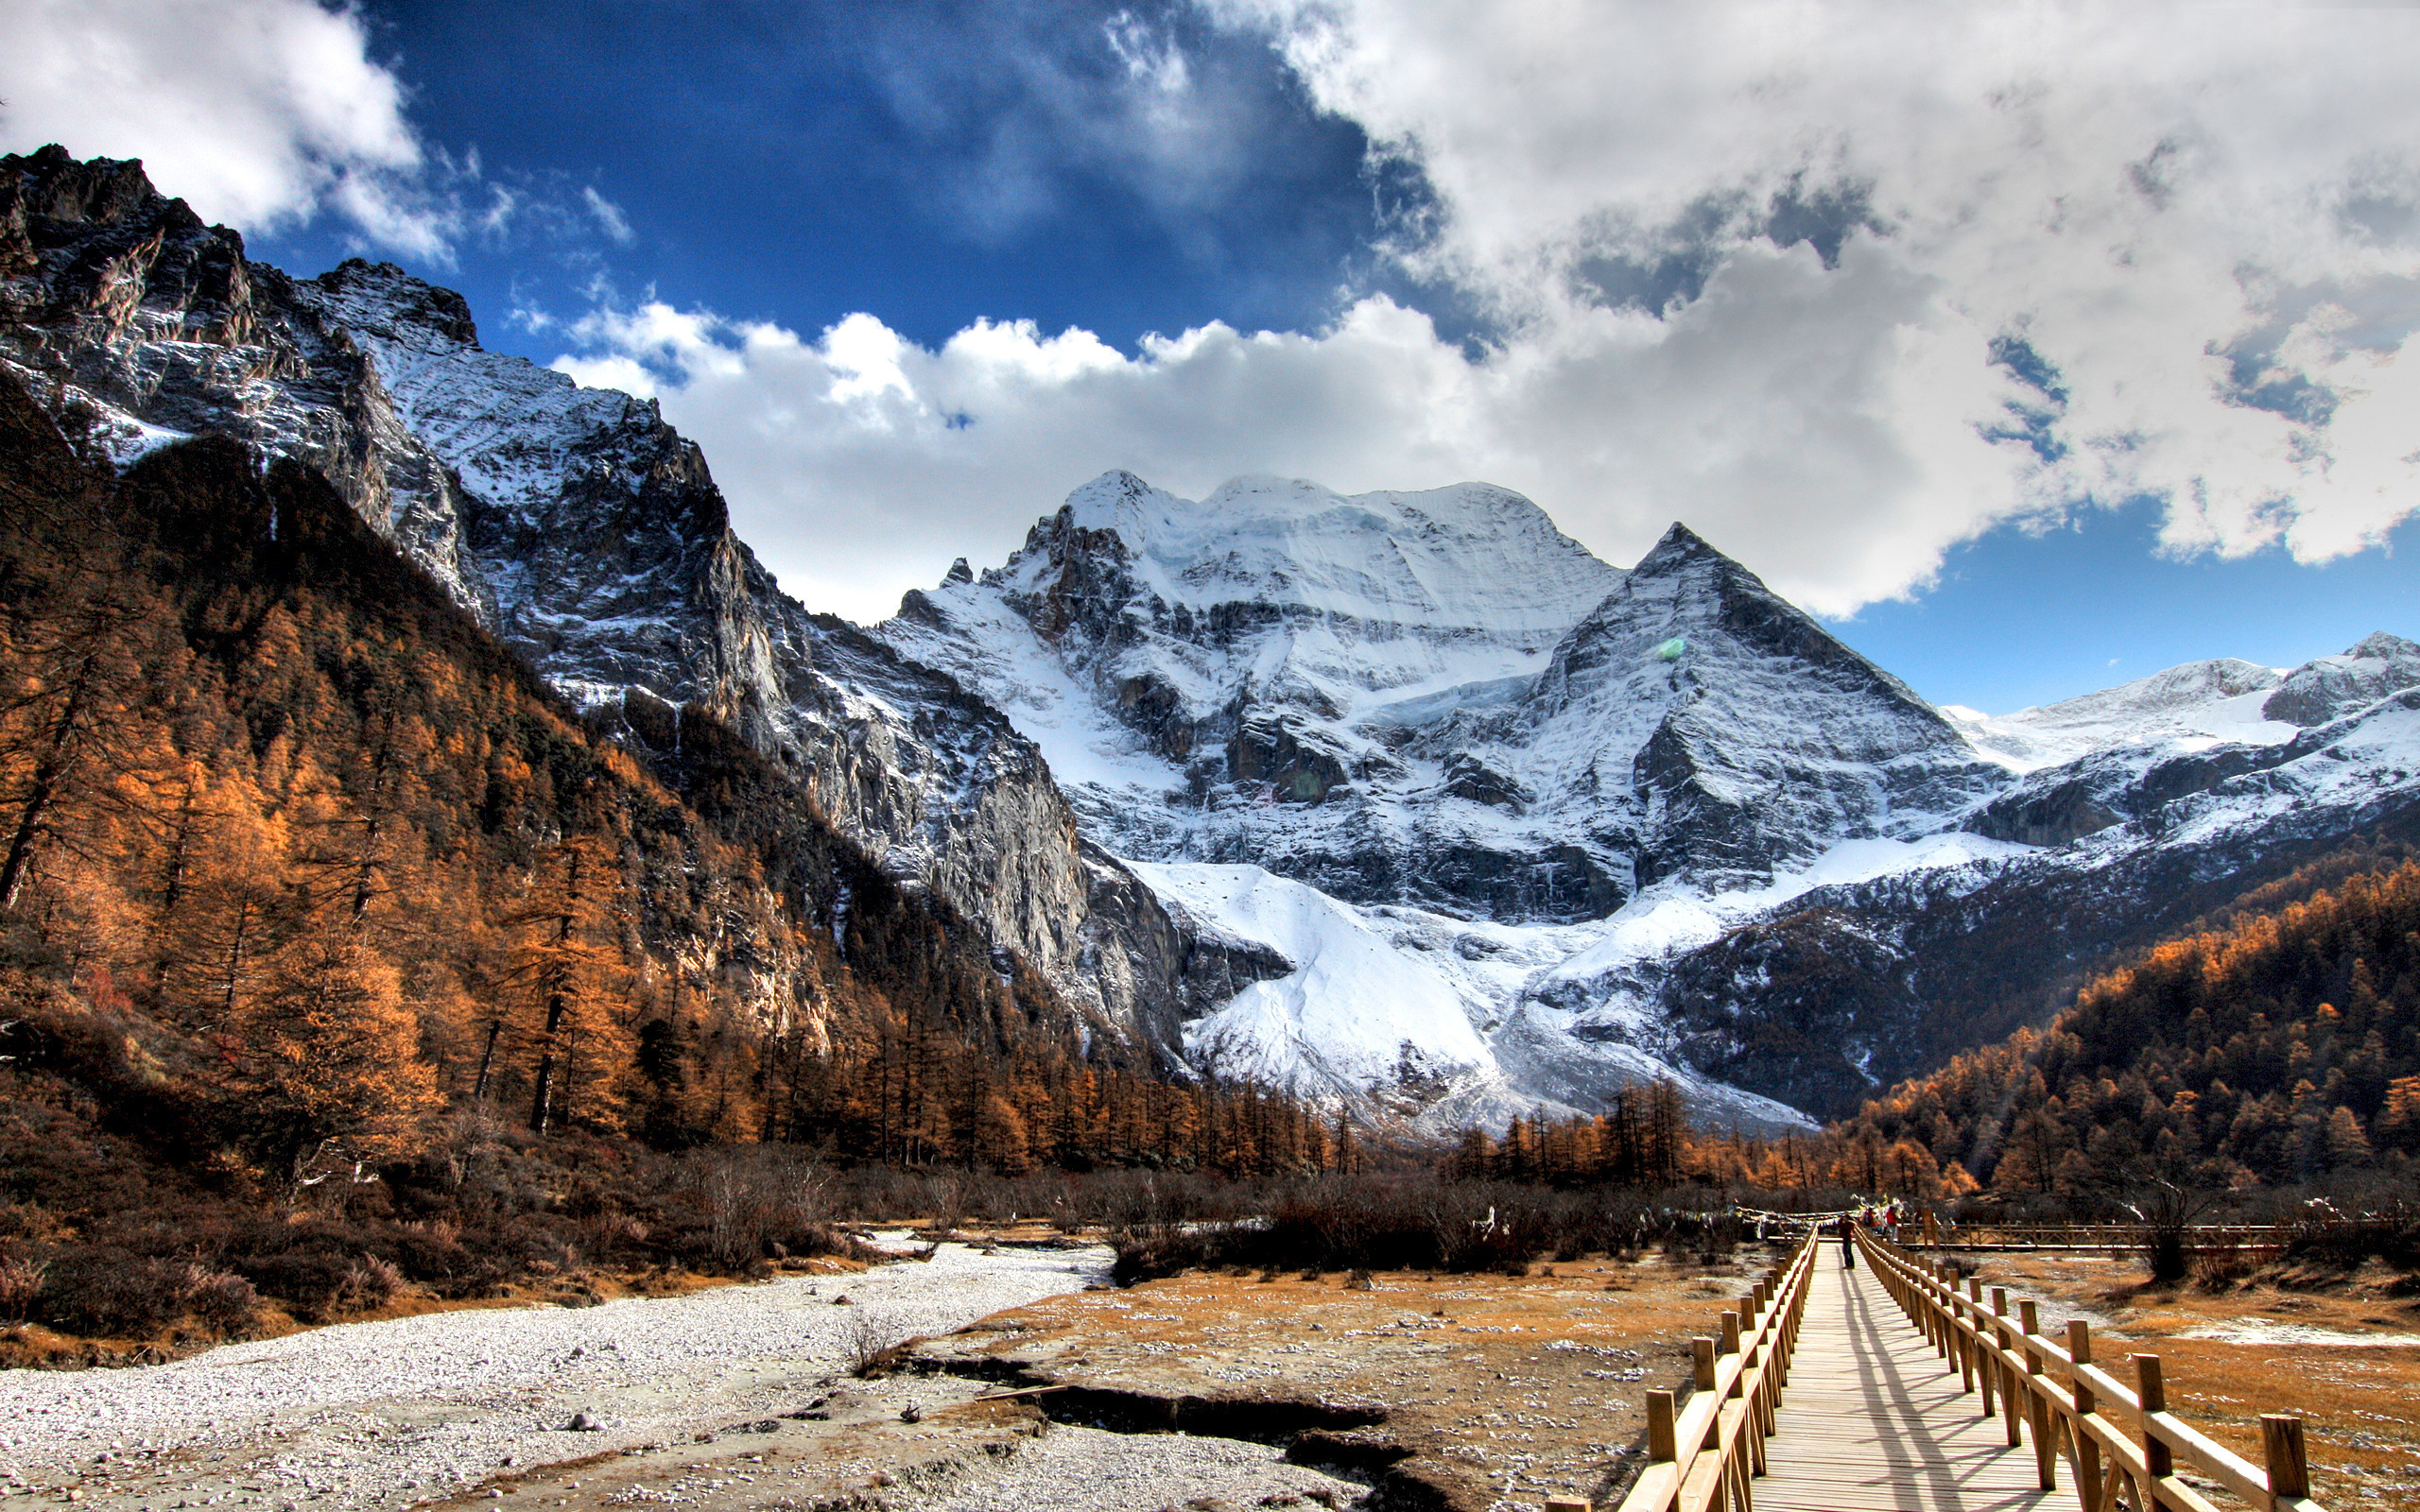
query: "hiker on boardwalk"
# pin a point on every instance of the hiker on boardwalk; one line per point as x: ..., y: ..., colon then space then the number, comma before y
x: 1848, y: 1243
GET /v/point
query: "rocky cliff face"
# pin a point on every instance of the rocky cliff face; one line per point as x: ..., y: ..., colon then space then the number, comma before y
x: 573, y: 522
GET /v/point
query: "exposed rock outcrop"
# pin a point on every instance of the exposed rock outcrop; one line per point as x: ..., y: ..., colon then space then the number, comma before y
x: 579, y: 526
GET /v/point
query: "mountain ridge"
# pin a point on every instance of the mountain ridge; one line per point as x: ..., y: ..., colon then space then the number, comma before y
x: 574, y: 524
x: 1568, y: 807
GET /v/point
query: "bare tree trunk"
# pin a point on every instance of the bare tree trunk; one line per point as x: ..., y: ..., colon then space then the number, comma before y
x: 487, y: 1060
x: 48, y: 770
x: 235, y: 960
x: 541, y: 1101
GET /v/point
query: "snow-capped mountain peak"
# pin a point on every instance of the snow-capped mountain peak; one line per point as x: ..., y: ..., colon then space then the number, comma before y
x: 2203, y: 701
x: 1432, y: 698
x: 2330, y: 687
x: 1440, y: 558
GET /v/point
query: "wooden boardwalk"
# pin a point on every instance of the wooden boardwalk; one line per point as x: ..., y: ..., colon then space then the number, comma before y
x: 1873, y: 1419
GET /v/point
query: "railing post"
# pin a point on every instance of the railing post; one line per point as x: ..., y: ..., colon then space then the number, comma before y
x: 1753, y: 1402
x: 1702, y: 1349
x: 2046, y: 1452
x: 1958, y: 1349
x: 1663, y: 1438
x: 2281, y: 1450
x: 2001, y: 1371
x: 2157, y: 1462
x: 1983, y: 1360
x: 2088, y: 1450
x: 1933, y: 1323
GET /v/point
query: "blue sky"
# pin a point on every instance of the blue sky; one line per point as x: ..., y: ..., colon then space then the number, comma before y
x: 2021, y: 618
x: 2037, y: 350
x: 798, y: 163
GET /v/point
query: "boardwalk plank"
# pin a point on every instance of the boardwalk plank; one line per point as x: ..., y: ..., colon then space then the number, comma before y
x: 1874, y: 1422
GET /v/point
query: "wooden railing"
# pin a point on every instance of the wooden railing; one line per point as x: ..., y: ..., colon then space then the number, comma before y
x: 1700, y: 1457
x: 2119, y: 1441
x: 2090, y: 1236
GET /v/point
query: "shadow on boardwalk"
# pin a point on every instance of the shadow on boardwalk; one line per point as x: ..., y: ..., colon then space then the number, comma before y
x: 1874, y: 1419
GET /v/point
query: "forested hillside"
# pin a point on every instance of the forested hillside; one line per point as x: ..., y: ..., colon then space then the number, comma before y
x: 2279, y: 1045
x: 307, y: 879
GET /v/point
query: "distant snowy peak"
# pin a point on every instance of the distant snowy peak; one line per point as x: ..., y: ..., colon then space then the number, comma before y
x: 1471, y: 554
x: 2195, y: 706
x: 2333, y: 686
x: 2203, y: 701
x: 1239, y: 637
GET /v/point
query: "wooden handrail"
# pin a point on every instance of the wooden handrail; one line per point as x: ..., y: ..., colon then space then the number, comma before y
x: 2091, y: 1236
x: 1700, y: 1457
x: 2116, y: 1436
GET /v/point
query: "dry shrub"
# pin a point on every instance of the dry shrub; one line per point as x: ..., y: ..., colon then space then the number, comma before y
x: 20, y: 1283
x: 869, y: 1343
x: 221, y: 1302
x: 369, y: 1283
x: 105, y: 1291
x: 755, y: 1200
x: 2221, y: 1270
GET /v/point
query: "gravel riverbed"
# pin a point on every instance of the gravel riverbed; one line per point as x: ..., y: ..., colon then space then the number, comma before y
x: 397, y: 1412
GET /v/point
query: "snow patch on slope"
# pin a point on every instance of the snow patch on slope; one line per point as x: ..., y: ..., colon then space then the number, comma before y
x: 1667, y: 920
x: 1354, y: 1014
x: 996, y: 651
x: 1462, y: 1021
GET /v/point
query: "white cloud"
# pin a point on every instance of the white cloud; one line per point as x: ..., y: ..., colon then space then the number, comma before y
x: 608, y: 214
x: 2179, y: 211
x: 2129, y: 188
x: 859, y: 463
x: 258, y: 112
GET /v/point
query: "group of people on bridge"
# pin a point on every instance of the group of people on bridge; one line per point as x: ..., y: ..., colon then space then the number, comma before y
x: 1882, y: 1218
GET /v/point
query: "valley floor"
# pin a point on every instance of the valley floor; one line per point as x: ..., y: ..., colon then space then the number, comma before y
x: 1461, y: 1392
x: 457, y: 1406
x: 1482, y: 1387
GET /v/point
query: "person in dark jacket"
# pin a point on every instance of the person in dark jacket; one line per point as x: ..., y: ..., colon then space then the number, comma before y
x: 1848, y: 1245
